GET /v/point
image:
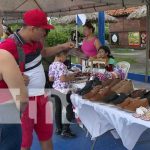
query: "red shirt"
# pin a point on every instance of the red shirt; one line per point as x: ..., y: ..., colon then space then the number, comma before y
x: 29, y: 49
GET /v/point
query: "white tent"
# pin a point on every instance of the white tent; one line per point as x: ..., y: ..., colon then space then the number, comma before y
x: 64, y: 7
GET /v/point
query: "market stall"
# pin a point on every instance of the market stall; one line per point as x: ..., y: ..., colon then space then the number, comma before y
x: 99, y: 118
x: 100, y: 114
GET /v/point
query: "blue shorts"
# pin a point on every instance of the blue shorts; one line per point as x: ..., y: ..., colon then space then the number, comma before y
x: 10, y: 136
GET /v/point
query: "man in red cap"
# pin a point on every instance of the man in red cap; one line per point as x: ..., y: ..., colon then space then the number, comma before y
x: 27, y: 48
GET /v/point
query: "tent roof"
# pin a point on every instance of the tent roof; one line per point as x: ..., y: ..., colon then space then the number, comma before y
x: 66, y: 19
x: 66, y: 7
x: 90, y: 16
x: 139, y: 13
x: 121, y: 12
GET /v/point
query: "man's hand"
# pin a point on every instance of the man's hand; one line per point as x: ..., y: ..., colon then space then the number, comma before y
x: 68, y: 45
x: 26, y: 79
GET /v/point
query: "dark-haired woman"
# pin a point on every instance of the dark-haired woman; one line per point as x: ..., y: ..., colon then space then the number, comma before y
x: 90, y: 43
x: 105, y: 54
x: 112, y: 71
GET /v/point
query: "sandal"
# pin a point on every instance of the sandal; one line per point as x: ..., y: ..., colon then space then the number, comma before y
x: 121, y: 98
x: 126, y: 87
x: 125, y: 103
x: 92, y: 93
x: 136, y: 103
x: 101, y: 94
x: 110, y: 97
x: 138, y: 93
x: 114, y: 82
x: 87, y: 88
x: 106, y: 82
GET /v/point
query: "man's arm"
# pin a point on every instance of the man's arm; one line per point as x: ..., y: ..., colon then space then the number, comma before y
x: 50, y: 51
x: 11, y: 74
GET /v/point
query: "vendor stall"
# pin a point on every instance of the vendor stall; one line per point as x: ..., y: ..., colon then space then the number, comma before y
x: 109, y: 112
x: 99, y: 118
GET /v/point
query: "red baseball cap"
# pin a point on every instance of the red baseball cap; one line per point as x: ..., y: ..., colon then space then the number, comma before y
x: 37, y: 18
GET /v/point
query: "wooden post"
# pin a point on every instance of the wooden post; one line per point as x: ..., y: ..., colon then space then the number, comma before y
x: 148, y: 42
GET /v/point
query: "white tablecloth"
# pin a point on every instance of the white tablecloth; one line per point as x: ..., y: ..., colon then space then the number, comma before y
x: 100, y: 118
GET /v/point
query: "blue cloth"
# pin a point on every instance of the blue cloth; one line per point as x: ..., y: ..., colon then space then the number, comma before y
x: 79, y: 21
x: 10, y: 136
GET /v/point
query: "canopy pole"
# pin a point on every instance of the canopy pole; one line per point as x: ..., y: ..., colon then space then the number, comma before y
x: 148, y: 41
x: 76, y: 31
x: 76, y: 36
x: 101, y: 27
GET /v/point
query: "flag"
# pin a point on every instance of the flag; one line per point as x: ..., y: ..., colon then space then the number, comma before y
x: 80, y: 19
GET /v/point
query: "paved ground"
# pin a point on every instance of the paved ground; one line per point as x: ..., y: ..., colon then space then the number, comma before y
x: 139, y: 56
x: 104, y: 142
x: 138, y: 84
